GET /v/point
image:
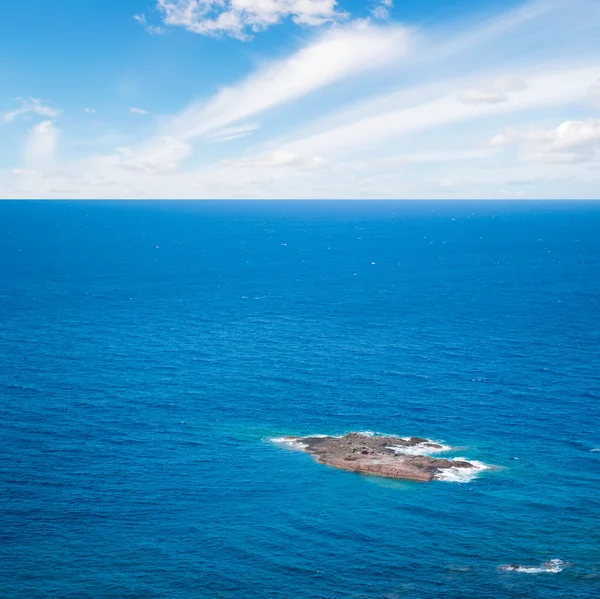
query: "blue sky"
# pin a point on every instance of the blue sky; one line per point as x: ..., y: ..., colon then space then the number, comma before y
x: 300, y: 99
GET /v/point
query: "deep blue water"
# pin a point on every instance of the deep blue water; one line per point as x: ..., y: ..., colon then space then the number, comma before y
x: 148, y: 351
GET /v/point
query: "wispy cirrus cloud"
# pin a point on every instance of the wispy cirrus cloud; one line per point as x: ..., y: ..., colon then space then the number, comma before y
x: 151, y: 29
x: 138, y: 111
x: 29, y: 106
x: 338, y: 55
x: 231, y: 133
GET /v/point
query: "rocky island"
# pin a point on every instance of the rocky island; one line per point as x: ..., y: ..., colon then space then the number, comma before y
x: 392, y: 457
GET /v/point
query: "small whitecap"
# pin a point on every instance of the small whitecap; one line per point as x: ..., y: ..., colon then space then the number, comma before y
x: 553, y: 566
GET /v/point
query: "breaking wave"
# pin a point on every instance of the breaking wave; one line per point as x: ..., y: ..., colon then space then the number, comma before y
x: 457, y: 474
x: 288, y: 442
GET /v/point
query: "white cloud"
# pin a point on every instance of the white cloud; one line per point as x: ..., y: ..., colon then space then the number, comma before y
x: 499, y: 90
x: 139, y: 111
x: 151, y: 29
x: 41, y: 145
x: 381, y: 10
x: 241, y: 18
x: 89, y: 110
x: 593, y: 95
x: 569, y: 143
x: 29, y: 106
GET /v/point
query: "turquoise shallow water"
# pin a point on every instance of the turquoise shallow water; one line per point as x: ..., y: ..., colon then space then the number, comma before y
x: 148, y: 352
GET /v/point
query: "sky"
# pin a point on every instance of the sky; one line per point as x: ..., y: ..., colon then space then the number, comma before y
x: 300, y: 99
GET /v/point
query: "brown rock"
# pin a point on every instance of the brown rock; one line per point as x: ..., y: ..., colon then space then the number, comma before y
x: 372, y: 455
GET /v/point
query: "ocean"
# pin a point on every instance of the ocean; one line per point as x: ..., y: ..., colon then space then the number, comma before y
x: 150, y: 352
